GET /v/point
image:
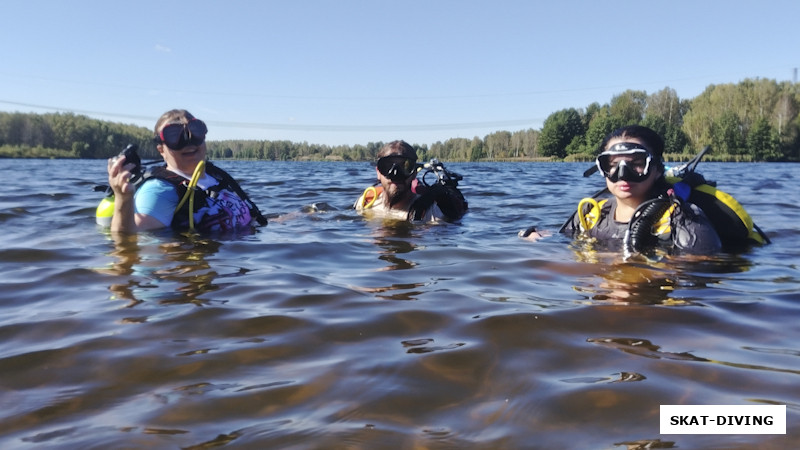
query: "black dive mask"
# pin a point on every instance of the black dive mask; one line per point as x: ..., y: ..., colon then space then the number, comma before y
x: 397, y: 168
x: 625, y: 161
x: 178, y: 135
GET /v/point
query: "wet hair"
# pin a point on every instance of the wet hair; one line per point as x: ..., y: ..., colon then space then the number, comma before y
x: 172, y: 116
x: 398, y: 148
x: 649, y: 138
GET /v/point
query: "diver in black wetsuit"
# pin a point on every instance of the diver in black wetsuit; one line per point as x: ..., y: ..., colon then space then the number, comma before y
x: 642, y: 212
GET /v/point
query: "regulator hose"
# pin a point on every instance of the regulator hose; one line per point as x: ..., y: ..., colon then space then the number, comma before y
x: 190, y: 188
x: 639, y: 236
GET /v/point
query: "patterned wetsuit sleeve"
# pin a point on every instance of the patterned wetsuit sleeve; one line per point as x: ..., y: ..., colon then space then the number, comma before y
x: 693, y: 232
x: 158, y: 199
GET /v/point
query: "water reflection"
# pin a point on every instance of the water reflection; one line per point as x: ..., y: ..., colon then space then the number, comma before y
x: 390, y: 249
x: 394, y: 240
x: 627, y: 283
x: 642, y: 281
x: 502, y: 344
x: 644, y: 444
x: 167, y: 270
x: 643, y: 347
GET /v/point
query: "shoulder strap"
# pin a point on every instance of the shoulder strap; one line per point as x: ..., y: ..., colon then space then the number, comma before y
x: 161, y: 173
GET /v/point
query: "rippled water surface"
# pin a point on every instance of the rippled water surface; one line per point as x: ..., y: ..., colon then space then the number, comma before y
x: 324, y: 330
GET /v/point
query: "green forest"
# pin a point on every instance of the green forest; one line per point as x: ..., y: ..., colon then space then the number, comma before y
x: 754, y: 120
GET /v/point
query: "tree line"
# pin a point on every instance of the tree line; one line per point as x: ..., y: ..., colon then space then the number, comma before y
x: 753, y: 120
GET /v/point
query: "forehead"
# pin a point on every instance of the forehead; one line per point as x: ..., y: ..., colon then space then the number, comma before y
x: 617, y: 140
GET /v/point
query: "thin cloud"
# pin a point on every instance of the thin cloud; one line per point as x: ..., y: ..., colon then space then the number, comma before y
x: 162, y: 48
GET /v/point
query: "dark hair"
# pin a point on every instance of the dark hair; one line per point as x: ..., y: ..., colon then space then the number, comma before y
x: 172, y: 116
x: 398, y: 148
x: 650, y: 138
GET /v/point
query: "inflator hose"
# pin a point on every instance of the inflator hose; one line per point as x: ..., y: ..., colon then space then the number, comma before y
x: 190, y: 188
x: 640, y: 229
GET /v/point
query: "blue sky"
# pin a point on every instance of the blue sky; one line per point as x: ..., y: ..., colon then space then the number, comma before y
x: 352, y: 72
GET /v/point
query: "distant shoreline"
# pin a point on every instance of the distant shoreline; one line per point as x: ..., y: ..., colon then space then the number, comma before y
x: 667, y: 158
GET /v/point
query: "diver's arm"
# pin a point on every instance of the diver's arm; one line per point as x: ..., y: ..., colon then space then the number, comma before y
x: 125, y: 219
x: 119, y: 179
x: 532, y: 234
x: 141, y: 222
x: 694, y: 232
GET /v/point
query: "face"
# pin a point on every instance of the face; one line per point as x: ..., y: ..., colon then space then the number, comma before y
x: 396, y: 173
x: 183, y: 146
x: 637, y: 191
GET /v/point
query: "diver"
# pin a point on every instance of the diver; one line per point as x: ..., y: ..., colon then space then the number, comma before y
x: 400, y: 195
x: 187, y: 193
x: 644, y: 211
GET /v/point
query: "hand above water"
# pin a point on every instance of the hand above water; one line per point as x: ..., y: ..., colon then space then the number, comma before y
x: 119, y: 175
x: 532, y: 234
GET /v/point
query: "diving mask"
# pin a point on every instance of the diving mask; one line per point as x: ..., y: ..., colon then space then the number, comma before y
x: 178, y: 135
x: 625, y: 161
x: 397, y: 168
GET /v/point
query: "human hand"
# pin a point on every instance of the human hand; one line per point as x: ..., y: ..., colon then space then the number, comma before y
x: 119, y: 176
x: 532, y: 234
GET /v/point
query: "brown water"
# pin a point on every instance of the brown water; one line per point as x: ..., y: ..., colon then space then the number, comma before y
x: 324, y: 330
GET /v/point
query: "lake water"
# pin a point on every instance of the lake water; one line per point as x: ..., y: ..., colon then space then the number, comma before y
x: 325, y: 330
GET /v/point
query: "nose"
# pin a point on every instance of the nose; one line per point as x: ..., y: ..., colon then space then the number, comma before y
x: 623, y: 170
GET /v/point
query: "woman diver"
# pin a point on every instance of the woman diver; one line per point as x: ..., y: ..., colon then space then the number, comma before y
x: 187, y: 193
x: 642, y: 212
